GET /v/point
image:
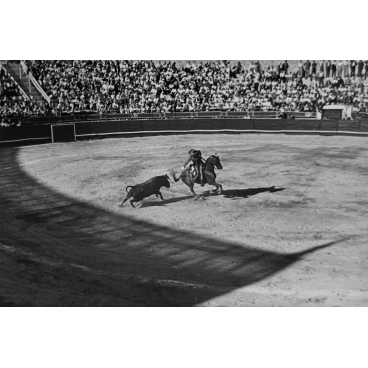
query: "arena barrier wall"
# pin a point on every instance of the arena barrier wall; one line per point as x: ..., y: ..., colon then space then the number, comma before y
x: 23, y: 135
x: 37, y: 134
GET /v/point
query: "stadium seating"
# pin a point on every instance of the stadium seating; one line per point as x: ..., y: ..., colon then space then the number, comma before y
x: 118, y: 90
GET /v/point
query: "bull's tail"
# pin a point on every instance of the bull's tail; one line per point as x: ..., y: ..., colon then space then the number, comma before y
x: 176, y: 179
x: 129, y: 186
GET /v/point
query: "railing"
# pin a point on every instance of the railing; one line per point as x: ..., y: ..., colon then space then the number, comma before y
x: 19, y: 87
x: 89, y: 117
x: 34, y: 81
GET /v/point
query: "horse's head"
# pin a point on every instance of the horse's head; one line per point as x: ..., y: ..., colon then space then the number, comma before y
x: 216, y: 161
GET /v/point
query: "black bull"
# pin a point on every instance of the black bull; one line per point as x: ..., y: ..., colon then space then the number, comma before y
x: 146, y: 189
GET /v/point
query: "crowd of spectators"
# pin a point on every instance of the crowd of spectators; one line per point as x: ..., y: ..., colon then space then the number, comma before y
x: 168, y: 86
x: 13, y: 104
x: 147, y: 86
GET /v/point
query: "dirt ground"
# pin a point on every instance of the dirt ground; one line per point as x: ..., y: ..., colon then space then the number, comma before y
x: 290, y: 228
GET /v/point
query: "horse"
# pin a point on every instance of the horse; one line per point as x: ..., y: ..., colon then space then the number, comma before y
x: 209, y: 176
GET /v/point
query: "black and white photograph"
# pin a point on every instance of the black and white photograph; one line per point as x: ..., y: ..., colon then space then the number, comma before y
x: 155, y: 163
x: 183, y: 183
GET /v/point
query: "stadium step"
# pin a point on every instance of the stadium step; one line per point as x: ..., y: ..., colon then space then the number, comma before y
x: 15, y: 70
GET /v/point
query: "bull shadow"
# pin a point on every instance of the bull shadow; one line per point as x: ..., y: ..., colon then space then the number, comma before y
x: 58, y: 251
x: 165, y: 202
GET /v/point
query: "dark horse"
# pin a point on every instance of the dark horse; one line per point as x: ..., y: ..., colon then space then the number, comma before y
x: 209, y: 176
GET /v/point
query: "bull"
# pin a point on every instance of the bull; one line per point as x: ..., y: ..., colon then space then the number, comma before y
x: 146, y: 189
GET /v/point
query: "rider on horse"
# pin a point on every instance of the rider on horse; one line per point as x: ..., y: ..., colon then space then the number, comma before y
x: 196, y: 157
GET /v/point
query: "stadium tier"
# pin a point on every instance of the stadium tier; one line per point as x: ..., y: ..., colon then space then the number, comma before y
x: 15, y: 104
x: 133, y: 88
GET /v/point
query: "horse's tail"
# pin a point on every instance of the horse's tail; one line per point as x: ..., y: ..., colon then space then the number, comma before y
x: 176, y: 179
x: 131, y: 186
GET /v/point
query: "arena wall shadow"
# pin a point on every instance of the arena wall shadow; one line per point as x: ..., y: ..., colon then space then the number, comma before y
x: 57, y: 251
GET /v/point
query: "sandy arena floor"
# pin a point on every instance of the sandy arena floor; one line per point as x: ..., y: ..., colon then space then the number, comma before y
x: 290, y: 229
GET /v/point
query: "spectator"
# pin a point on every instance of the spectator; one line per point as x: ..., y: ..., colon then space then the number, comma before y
x: 13, y: 104
x: 339, y: 69
x: 333, y: 69
x: 353, y: 65
x: 346, y: 66
x: 142, y: 86
x: 307, y: 68
x: 301, y: 72
x: 365, y: 70
x: 313, y: 70
x: 360, y: 68
x: 321, y: 78
x: 328, y: 68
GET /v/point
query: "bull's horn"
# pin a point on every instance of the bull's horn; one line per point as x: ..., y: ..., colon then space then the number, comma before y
x: 169, y: 179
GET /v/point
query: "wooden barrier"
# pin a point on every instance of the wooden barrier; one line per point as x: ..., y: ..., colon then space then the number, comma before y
x: 329, y: 125
x: 348, y: 126
x: 155, y: 125
x: 137, y: 127
x: 302, y: 125
x: 363, y: 126
x: 239, y: 124
x: 25, y: 134
x: 276, y: 124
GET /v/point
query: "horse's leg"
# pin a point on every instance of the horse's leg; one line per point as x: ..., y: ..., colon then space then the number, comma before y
x: 190, y: 183
x: 195, y: 195
x: 217, y: 185
x: 211, y: 181
x: 159, y: 193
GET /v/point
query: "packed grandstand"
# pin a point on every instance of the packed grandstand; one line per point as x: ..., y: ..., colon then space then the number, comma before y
x: 102, y: 87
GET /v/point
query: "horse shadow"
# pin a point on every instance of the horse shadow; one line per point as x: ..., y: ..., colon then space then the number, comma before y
x: 246, y: 193
x: 229, y: 194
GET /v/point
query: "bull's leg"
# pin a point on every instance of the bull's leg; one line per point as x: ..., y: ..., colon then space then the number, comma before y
x: 132, y: 201
x: 126, y: 198
x: 160, y: 194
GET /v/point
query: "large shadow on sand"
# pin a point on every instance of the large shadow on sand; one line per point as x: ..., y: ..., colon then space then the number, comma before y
x: 57, y: 251
x: 229, y: 194
x: 246, y: 193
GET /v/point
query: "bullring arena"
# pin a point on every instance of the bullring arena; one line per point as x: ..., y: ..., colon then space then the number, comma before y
x: 289, y: 229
